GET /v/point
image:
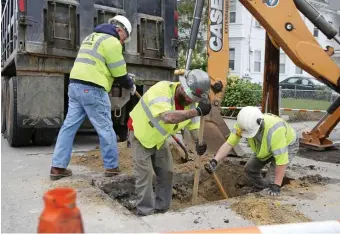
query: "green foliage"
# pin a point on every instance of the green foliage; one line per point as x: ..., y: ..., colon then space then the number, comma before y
x: 240, y: 93
x: 199, y: 61
x: 186, y: 10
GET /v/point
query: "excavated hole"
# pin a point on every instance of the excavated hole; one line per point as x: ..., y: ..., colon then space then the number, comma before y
x: 231, y: 175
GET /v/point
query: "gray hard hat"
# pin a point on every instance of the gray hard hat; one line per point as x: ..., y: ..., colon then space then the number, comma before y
x: 196, y: 84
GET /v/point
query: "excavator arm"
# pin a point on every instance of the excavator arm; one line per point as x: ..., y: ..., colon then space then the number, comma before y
x: 286, y: 29
x: 283, y: 22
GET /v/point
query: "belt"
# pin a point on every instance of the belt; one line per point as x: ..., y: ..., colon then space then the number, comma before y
x: 85, y: 83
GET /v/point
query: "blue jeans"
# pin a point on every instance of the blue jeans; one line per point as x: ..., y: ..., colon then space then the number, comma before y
x: 95, y: 103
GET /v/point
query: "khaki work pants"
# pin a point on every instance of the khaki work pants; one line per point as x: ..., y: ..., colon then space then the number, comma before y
x: 254, y: 166
x: 146, y: 163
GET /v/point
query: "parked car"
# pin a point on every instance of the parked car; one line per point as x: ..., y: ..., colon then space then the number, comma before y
x: 300, y: 87
x: 301, y: 83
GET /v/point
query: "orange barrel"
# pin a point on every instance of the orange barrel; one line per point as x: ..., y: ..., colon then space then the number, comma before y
x: 61, y: 214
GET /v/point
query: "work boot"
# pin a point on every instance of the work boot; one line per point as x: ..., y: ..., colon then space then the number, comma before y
x: 161, y: 211
x: 112, y: 172
x: 58, y: 173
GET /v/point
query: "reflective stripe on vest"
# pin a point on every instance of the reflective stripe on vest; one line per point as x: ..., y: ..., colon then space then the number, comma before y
x: 280, y: 151
x: 94, y: 53
x: 85, y: 60
x: 160, y: 99
x: 153, y: 120
x: 195, y: 119
x: 116, y: 64
x: 271, y: 132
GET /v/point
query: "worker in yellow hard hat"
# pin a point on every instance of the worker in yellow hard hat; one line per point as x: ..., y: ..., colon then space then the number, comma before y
x: 165, y: 109
x: 272, y: 140
x: 99, y: 63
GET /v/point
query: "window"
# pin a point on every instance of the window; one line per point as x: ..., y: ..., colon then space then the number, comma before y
x: 282, y: 63
x: 316, y: 32
x: 330, y: 22
x: 292, y: 80
x: 232, y: 59
x: 298, y: 70
x: 257, y: 61
x: 232, y: 11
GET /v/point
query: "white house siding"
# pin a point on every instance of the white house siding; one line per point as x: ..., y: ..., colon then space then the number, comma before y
x: 246, y: 37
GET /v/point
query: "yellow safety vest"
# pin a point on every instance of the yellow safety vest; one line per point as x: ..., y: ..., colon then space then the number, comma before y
x: 148, y: 127
x: 99, y: 60
x: 277, y: 135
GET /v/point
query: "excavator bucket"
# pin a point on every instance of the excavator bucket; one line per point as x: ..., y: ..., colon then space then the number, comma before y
x: 216, y: 132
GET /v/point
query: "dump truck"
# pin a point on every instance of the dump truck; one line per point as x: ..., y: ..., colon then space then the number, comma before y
x: 40, y: 40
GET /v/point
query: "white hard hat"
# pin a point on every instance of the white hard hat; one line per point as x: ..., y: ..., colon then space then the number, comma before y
x: 196, y: 84
x: 123, y: 22
x: 249, y: 120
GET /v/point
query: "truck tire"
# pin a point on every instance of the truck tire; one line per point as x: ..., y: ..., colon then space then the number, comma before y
x: 16, y: 135
x: 44, y: 136
x: 4, y: 85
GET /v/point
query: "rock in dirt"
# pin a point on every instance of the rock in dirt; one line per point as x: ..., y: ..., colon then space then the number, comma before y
x: 226, y: 221
x: 263, y: 211
x: 196, y: 221
x: 311, y: 167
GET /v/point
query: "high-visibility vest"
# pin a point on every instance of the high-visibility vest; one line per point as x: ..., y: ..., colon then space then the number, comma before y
x: 148, y: 127
x: 277, y: 135
x: 99, y: 60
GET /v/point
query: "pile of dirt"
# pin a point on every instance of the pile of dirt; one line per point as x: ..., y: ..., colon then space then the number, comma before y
x: 307, y: 181
x: 264, y: 211
x: 93, y: 160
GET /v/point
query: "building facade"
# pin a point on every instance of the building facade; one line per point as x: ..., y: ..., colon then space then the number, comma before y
x: 247, y: 42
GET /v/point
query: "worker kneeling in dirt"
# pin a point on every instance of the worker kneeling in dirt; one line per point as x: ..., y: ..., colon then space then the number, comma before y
x: 163, y: 110
x: 273, y: 141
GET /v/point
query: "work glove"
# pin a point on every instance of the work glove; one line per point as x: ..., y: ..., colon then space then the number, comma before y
x: 201, y: 148
x: 204, y: 107
x: 133, y: 90
x: 210, y: 166
x: 273, y: 190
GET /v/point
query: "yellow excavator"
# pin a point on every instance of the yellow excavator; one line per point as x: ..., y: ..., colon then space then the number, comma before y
x: 286, y: 30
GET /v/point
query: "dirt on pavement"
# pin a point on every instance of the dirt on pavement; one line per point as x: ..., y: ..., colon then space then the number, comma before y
x: 264, y: 211
x: 93, y: 160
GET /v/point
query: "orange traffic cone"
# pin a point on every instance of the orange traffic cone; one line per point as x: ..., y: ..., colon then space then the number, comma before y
x: 61, y: 214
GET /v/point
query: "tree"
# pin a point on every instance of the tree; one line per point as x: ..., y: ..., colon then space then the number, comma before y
x: 186, y: 12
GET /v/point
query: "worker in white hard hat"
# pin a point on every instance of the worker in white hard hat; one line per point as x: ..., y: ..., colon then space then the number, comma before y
x: 166, y: 108
x: 99, y: 63
x: 272, y: 140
